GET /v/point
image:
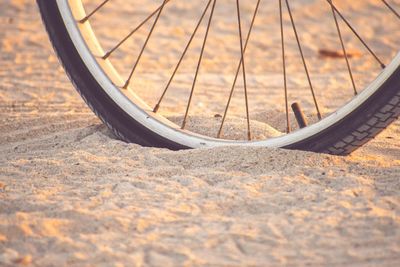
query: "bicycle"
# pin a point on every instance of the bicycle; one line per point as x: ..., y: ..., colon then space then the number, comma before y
x: 193, y: 109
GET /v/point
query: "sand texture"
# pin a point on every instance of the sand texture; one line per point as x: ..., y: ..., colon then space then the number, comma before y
x: 71, y: 194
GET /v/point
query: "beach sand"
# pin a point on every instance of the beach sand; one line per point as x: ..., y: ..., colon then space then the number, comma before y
x: 71, y: 194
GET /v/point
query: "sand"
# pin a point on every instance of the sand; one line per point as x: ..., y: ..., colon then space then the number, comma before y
x: 71, y: 194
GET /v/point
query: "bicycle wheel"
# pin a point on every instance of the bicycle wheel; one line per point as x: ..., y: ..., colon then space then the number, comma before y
x: 190, y: 74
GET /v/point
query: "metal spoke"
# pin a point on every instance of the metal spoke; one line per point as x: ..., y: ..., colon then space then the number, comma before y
x: 356, y: 34
x: 238, y: 70
x: 391, y: 9
x: 157, y: 107
x: 243, y: 71
x: 201, y: 31
x: 284, y: 68
x: 144, y: 45
x: 93, y: 12
x: 303, y: 60
x: 344, y: 50
x: 198, y: 65
x: 108, y: 54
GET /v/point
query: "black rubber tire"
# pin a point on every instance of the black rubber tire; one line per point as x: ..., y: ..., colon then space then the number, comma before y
x: 362, y: 125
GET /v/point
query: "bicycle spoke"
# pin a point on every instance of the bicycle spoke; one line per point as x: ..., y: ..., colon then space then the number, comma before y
x: 303, y: 60
x: 344, y: 50
x: 94, y: 11
x: 284, y: 68
x: 198, y: 65
x: 196, y: 22
x: 108, y: 54
x: 391, y: 9
x: 356, y: 34
x: 157, y: 106
x: 238, y: 70
x: 243, y: 70
x: 144, y: 45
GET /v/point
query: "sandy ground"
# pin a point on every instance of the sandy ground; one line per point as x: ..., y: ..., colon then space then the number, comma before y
x: 71, y: 194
